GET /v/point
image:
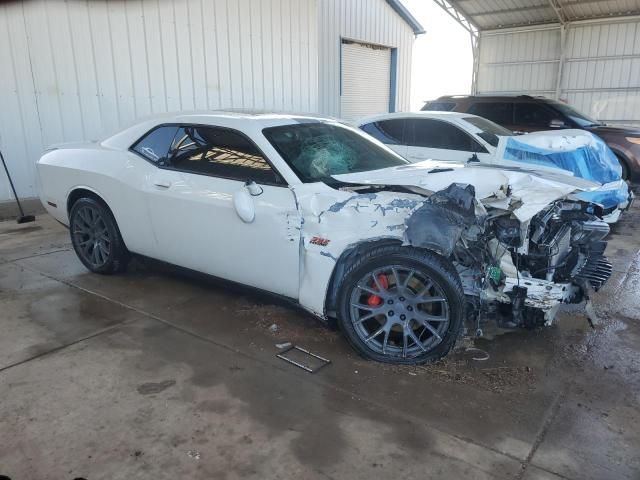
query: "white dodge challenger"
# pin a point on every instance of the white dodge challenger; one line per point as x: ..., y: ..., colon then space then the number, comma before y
x: 401, y: 255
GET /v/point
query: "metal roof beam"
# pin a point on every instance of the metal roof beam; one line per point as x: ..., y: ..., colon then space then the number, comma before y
x: 458, y: 15
x: 557, y: 8
x: 530, y: 8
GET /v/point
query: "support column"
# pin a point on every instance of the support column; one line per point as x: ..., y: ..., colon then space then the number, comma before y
x: 561, y: 62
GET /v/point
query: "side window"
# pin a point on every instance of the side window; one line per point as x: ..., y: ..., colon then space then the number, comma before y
x: 219, y: 152
x: 534, y: 115
x: 499, y: 112
x: 437, y: 134
x: 390, y: 132
x: 154, y: 146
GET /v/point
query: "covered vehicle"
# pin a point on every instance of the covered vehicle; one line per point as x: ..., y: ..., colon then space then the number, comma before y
x: 399, y: 254
x: 464, y: 137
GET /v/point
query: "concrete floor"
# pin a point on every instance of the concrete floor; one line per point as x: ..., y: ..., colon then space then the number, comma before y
x: 155, y: 375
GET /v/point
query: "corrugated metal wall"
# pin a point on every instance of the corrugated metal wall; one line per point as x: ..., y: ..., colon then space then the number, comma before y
x: 73, y: 70
x: 367, y: 21
x: 519, y: 61
x: 601, y: 68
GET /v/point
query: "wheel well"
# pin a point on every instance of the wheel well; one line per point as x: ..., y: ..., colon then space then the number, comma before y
x: 79, y: 193
x: 351, y: 252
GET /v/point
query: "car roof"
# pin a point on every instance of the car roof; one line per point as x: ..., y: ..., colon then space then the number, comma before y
x: 421, y: 114
x: 241, y: 120
x: 264, y: 118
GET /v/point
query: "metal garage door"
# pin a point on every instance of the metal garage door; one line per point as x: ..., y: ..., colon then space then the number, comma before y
x: 366, y: 74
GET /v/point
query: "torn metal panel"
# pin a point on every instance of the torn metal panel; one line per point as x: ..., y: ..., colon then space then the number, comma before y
x: 343, y: 219
x: 523, y: 191
x: 440, y: 221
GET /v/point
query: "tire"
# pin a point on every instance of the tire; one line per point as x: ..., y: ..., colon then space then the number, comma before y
x: 404, y: 307
x: 96, y: 238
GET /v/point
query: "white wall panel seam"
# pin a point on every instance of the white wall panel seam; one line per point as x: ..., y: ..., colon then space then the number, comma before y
x: 113, y: 65
x: 75, y: 70
x: 16, y: 86
x: 32, y: 77
x: 129, y: 54
x: 55, y: 73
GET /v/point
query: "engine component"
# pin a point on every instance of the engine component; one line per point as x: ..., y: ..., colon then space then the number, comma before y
x: 518, y: 296
x: 595, y: 267
x: 567, y: 241
x: 507, y: 231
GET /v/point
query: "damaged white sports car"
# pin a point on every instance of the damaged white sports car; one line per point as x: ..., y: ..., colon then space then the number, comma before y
x: 400, y: 254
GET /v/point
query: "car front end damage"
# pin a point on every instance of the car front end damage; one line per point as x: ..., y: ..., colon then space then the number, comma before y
x: 521, y: 272
x: 522, y: 245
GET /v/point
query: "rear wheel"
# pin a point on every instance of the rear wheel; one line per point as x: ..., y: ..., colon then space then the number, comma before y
x: 401, y: 305
x: 96, y: 238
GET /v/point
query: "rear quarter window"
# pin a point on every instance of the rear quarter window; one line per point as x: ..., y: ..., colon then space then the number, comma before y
x: 154, y: 146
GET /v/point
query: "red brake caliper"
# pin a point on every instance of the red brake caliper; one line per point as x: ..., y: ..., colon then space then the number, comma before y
x: 375, y: 300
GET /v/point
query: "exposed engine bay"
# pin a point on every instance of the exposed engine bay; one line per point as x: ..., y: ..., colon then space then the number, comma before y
x: 531, y: 267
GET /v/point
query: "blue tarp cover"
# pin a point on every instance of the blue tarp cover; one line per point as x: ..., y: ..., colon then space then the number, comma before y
x: 580, y: 152
x: 607, y: 198
x: 588, y: 158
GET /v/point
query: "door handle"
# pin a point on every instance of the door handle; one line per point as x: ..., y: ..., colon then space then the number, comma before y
x: 162, y: 183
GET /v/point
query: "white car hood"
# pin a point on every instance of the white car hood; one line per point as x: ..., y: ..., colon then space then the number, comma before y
x: 524, y: 191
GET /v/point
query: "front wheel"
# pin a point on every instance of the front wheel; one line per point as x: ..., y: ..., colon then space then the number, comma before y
x: 401, y: 305
x: 96, y: 238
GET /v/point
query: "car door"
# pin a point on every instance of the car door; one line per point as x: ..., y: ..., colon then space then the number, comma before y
x: 391, y: 132
x: 219, y: 207
x: 440, y: 140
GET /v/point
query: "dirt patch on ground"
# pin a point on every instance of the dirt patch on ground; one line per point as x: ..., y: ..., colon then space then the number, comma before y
x: 285, y: 324
x: 460, y: 371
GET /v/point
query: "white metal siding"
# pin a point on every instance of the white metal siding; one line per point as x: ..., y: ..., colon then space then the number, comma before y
x: 366, y: 74
x: 519, y: 61
x: 600, y: 73
x: 73, y: 70
x: 366, y: 21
